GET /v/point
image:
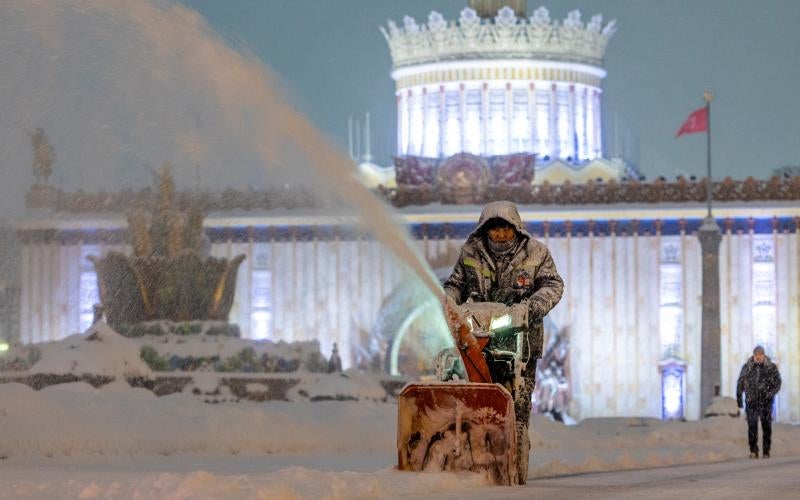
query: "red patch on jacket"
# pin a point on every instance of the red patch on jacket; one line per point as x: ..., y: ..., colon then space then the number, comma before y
x: 523, y: 280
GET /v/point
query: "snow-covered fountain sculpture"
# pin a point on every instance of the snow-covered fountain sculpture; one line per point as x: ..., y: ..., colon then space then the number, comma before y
x: 168, y: 280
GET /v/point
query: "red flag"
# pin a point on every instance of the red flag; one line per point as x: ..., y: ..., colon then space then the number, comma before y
x: 697, y: 122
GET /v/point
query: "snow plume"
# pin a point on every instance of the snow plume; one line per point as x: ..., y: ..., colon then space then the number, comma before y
x: 117, y: 85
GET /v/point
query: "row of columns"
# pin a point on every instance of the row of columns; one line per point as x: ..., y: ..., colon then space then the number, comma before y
x: 422, y: 111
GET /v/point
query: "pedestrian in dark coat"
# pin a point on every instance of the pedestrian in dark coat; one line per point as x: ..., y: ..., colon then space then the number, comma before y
x: 760, y: 381
x: 501, y: 262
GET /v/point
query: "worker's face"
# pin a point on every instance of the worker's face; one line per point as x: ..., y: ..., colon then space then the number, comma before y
x: 759, y: 357
x: 501, y: 234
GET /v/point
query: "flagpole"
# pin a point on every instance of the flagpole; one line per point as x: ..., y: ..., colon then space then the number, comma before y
x: 710, y: 237
x: 710, y: 187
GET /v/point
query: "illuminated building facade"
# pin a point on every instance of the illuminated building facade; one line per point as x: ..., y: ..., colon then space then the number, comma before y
x: 477, y: 97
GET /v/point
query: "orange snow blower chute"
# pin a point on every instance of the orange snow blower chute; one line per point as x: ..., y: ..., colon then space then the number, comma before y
x: 465, y: 425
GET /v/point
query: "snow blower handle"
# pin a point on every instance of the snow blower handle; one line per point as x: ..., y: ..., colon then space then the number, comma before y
x: 469, y: 347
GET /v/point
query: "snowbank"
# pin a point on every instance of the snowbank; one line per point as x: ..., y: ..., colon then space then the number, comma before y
x: 350, y: 385
x: 71, y: 419
x: 100, y: 351
x: 722, y: 406
x: 289, y: 483
x: 604, y: 444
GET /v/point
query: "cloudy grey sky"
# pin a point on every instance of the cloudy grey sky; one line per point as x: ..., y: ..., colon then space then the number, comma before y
x: 335, y: 63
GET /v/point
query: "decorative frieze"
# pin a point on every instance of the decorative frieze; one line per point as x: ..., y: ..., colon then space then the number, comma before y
x: 428, y: 191
x: 612, y: 192
x: 546, y: 228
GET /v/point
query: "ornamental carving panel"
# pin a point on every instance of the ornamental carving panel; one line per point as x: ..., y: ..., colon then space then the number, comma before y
x: 763, y: 249
x: 463, y: 178
x: 415, y: 170
x: 513, y: 170
x: 671, y: 251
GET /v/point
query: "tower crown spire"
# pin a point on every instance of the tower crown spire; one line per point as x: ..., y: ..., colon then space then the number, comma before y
x: 505, y: 35
x: 487, y: 9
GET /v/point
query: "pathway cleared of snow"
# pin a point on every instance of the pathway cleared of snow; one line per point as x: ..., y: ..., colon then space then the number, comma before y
x: 269, y: 477
x: 774, y: 479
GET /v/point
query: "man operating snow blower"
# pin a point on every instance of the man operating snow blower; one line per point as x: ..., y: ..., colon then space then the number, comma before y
x: 500, y: 262
x: 502, y: 286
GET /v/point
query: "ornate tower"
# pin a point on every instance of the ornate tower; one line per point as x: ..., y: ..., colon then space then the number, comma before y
x: 494, y: 82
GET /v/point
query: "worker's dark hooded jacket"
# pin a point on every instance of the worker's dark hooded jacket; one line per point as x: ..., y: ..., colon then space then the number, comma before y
x: 526, y: 275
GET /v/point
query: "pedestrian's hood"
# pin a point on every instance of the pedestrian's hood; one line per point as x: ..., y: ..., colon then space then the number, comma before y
x: 503, y: 210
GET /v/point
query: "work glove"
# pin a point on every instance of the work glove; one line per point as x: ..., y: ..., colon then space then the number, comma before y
x: 536, y: 309
x: 519, y: 313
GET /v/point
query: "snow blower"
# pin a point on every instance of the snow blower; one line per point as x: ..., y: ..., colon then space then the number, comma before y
x: 457, y: 424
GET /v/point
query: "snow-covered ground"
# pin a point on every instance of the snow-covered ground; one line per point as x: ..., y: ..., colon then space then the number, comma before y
x: 320, y: 476
x: 73, y: 440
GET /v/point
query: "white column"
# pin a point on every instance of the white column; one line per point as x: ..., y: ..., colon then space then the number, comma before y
x: 584, y: 140
x: 25, y: 323
x: 581, y: 356
x: 410, y: 123
x: 725, y: 313
x: 692, y: 306
x: 532, y: 115
x: 575, y: 150
x: 293, y: 332
x: 598, y: 140
x: 442, y: 121
x: 57, y: 294
x: 241, y: 307
x: 74, y: 287
x: 48, y: 283
x: 462, y: 115
x: 791, y: 366
x: 423, y: 144
x: 782, y: 308
x: 555, y: 140
x: 745, y: 267
x: 484, y: 119
x: 509, y: 117
x: 402, y: 147
x: 36, y: 293
x: 61, y: 298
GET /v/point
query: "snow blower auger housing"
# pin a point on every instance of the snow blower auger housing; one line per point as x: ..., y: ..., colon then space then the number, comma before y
x: 454, y: 425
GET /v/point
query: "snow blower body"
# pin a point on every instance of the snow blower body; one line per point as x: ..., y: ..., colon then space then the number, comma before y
x: 456, y: 424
